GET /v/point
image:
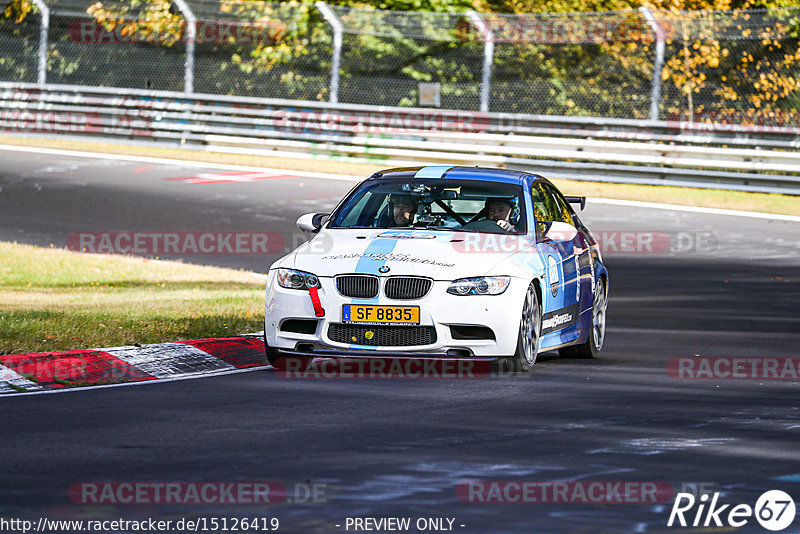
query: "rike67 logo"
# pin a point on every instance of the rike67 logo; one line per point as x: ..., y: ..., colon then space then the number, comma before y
x: 774, y: 510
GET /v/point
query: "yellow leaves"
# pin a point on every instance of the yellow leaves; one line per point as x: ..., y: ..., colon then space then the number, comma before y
x: 155, y: 24
x: 18, y: 10
x: 727, y: 93
x: 750, y: 70
x: 687, y: 69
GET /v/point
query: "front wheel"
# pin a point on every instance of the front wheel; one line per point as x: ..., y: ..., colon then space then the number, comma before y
x: 530, y: 332
x: 283, y: 363
x: 591, y: 348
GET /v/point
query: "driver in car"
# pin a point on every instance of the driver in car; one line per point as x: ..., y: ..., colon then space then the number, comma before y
x: 499, y: 210
x: 403, y: 209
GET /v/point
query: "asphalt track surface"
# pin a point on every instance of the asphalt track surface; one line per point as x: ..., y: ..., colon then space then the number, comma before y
x: 399, y: 448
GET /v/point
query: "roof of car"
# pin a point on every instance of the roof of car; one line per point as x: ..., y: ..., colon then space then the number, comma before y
x: 453, y: 173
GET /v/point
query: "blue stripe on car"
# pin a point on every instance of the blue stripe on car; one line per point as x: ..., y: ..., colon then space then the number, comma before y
x: 491, y: 175
x: 369, y: 265
x: 362, y: 347
x: 379, y: 245
x: 433, y: 171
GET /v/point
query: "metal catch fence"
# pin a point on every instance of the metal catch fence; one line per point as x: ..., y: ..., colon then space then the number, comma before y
x: 735, y: 67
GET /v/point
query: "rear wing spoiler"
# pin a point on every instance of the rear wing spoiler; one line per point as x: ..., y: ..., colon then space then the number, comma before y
x: 576, y: 200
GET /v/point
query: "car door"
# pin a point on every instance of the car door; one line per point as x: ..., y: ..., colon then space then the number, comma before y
x: 562, y: 291
x: 582, y: 249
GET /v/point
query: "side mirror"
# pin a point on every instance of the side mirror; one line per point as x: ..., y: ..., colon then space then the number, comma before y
x: 311, y: 222
x: 576, y: 200
x: 561, y: 231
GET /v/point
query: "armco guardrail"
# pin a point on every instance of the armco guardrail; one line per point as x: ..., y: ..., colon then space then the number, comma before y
x: 749, y: 158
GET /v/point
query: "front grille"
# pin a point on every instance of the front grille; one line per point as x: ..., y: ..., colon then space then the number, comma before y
x: 357, y: 286
x: 382, y: 336
x: 407, y: 287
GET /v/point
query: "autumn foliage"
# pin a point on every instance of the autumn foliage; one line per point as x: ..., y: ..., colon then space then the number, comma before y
x: 725, y: 60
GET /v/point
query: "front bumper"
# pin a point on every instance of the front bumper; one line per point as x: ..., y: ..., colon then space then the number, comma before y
x: 438, y: 309
x: 355, y: 353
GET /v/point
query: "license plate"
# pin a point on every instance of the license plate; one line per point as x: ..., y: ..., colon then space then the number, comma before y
x: 359, y: 313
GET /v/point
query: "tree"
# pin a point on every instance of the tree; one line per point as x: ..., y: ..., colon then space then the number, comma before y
x: 740, y: 61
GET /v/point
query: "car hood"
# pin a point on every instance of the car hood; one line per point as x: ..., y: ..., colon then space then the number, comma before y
x: 436, y: 254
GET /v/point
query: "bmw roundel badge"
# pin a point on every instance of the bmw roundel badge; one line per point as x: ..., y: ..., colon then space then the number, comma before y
x: 383, y: 269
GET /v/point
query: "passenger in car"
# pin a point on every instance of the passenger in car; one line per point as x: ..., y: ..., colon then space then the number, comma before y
x: 500, y: 210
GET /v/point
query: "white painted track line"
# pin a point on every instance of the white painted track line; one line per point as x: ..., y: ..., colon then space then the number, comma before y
x: 345, y: 177
x: 178, y: 162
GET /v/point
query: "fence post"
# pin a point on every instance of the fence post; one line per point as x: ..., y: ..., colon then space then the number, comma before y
x: 336, y: 24
x: 191, y: 37
x: 44, y: 29
x: 488, y: 56
x: 658, y: 63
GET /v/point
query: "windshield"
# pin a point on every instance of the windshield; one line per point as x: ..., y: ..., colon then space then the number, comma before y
x: 467, y: 205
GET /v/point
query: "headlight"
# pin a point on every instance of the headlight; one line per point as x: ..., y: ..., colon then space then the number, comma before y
x: 291, y: 279
x: 483, y: 285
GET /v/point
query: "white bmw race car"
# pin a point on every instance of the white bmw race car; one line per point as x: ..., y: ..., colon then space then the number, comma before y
x: 441, y: 262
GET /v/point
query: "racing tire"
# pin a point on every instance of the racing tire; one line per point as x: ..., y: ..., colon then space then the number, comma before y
x: 282, y: 363
x: 591, y: 348
x: 530, y: 334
